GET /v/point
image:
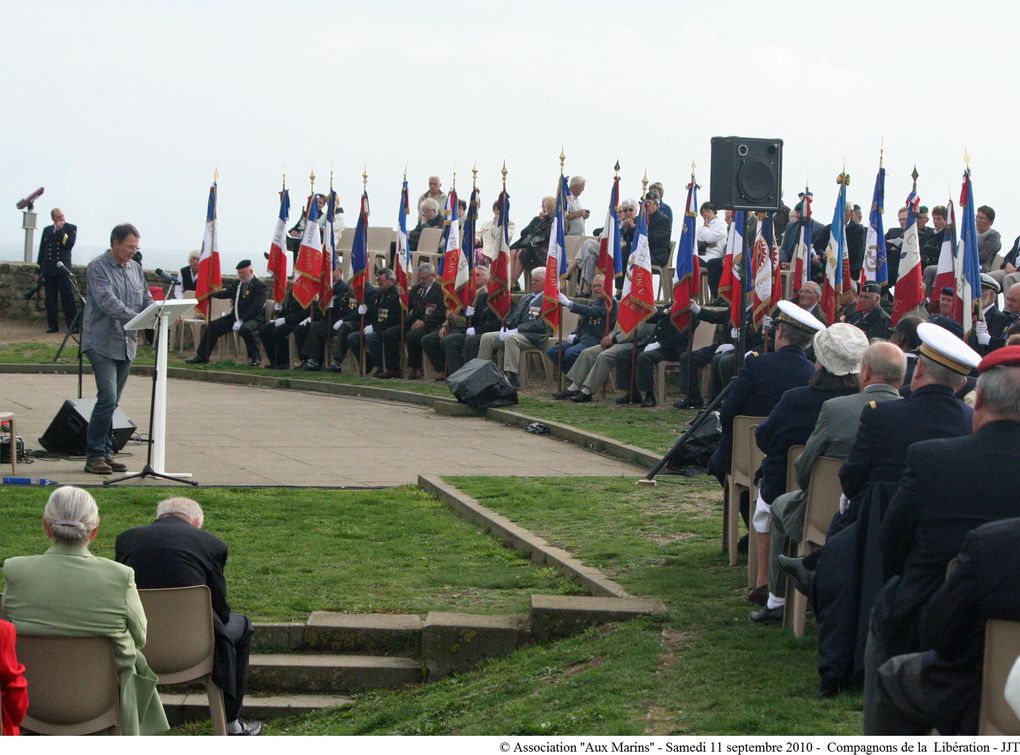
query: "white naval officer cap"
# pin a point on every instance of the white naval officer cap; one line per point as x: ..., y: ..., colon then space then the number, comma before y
x: 941, y: 346
x: 791, y: 314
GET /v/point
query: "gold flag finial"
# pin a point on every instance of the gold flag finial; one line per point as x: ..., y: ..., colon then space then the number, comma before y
x: 966, y: 159
x: 405, y: 171
x: 453, y: 186
x: 881, y: 153
x: 311, y: 179
x: 284, y: 179
x: 216, y: 175
x: 474, y: 175
x: 914, y: 175
x: 504, y: 172
x: 331, y: 176
x: 644, y: 184
x: 616, y: 168
x: 364, y: 178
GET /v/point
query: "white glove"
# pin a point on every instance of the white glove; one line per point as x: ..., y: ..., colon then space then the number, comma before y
x: 981, y: 329
x: 305, y: 321
x: 504, y: 333
x: 843, y: 503
x: 237, y: 325
x: 653, y: 346
x: 572, y: 337
x: 735, y: 334
x: 747, y: 355
x: 362, y: 309
x: 279, y: 321
x: 562, y: 299
x: 469, y: 311
x: 470, y: 331
x: 695, y: 308
x: 277, y: 307
x: 724, y: 348
x: 766, y: 322
x: 337, y: 324
x: 369, y: 330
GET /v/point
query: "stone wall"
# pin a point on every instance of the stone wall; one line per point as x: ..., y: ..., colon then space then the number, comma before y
x: 18, y: 277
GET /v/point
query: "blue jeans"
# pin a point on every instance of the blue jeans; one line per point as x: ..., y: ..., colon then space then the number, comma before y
x: 375, y: 348
x: 111, y: 375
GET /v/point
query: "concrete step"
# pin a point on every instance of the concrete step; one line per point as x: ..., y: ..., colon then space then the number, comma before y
x: 330, y: 674
x: 364, y: 633
x: 194, y: 706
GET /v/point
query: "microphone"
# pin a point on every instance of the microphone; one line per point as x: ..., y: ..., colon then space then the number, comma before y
x: 167, y: 277
x: 63, y: 267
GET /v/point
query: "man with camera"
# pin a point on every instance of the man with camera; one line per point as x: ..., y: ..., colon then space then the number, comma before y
x: 55, y: 249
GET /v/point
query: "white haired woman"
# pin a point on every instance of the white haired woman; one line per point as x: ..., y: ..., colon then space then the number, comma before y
x: 68, y: 592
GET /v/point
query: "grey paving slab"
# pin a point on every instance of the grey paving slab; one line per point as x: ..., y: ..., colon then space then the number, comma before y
x: 237, y: 435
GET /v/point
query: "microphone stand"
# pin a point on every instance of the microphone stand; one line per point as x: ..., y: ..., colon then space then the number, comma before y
x: 147, y: 470
x: 76, y: 327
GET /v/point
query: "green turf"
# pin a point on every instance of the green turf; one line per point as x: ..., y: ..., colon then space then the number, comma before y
x: 293, y: 552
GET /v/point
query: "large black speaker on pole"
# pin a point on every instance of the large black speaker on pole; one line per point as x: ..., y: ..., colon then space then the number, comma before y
x: 747, y: 173
x: 66, y: 433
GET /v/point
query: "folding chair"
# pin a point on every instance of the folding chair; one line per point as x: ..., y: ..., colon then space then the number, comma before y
x: 1002, y: 646
x: 738, y: 479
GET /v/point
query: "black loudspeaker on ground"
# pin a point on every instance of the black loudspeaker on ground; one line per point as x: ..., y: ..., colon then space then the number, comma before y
x: 66, y: 433
x: 747, y: 173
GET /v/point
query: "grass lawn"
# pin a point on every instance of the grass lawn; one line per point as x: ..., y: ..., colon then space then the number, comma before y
x: 703, y: 670
x: 293, y: 552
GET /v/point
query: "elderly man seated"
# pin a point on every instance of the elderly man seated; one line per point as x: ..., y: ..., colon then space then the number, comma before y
x: 524, y: 327
x: 871, y: 318
x: 591, y: 328
x: 456, y: 341
x: 426, y: 314
x: 431, y: 217
x: 588, y: 256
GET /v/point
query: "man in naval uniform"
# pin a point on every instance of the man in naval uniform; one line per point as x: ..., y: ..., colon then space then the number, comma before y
x: 248, y: 311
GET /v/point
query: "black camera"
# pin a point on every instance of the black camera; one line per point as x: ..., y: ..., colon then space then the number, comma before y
x: 28, y: 293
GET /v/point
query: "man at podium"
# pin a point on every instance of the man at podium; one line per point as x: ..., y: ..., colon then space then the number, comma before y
x: 116, y: 292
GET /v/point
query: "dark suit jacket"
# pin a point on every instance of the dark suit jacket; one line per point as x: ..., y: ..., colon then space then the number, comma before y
x: 384, y: 310
x: 431, y: 308
x: 171, y: 553
x: 950, y: 486
x: 54, y: 248
x: 886, y: 430
x: 252, y: 305
x: 527, y: 318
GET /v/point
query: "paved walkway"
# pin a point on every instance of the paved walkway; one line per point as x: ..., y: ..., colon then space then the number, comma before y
x: 234, y: 435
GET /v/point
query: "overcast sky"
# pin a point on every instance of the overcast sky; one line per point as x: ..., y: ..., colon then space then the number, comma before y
x: 124, y: 110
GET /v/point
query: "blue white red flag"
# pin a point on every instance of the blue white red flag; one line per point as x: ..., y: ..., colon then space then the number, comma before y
x: 455, y: 270
x: 836, y: 255
x: 402, y: 258
x: 467, y: 290
x: 209, y: 278
x: 687, y: 275
x: 610, y: 262
x: 730, y: 284
x: 277, y: 264
x: 555, y: 261
x: 970, y: 288
x: 359, y: 252
x: 638, y: 301
x: 908, y: 293
x: 499, y: 278
x: 802, y: 252
x: 766, y: 297
x: 329, y: 255
x: 308, y: 267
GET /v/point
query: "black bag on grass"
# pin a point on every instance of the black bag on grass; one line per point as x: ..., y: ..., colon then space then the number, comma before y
x: 481, y: 384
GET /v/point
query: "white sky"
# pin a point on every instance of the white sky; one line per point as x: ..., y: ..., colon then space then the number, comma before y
x: 123, y: 110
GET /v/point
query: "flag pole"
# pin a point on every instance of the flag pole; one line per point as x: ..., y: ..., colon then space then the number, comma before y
x: 332, y: 261
x: 361, y: 357
x: 209, y: 267
x: 559, y: 307
x: 400, y: 358
x: 311, y: 190
x: 505, y: 222
x: 610, y: 285
x: 690, y: 319
x: 471, y: 242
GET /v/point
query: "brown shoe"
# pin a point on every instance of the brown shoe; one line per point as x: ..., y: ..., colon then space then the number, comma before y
x: 389, y: 375
x: 440, y: 377
x: 97, y: 466
x: 116, y: 466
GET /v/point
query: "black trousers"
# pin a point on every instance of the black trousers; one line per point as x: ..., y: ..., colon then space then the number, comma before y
x: 413, y: 340
x: 275, y: 342
x: 714, y: 267
x: 318, y: 332
x: 391, y: 348
x: 230, y: 661
x: 449, y: 353
x: 223, y: 325
x: 700, y: 358
x: 59, y: 292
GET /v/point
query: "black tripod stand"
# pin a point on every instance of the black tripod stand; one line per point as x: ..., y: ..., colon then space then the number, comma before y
x: 147, y: 470
x: 74, y: 331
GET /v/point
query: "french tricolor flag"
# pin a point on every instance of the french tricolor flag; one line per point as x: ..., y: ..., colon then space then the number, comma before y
x: 209, y: 278
x: 277, y: 264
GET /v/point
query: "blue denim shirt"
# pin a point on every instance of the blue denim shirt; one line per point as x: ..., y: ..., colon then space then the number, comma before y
x: 115, y: 294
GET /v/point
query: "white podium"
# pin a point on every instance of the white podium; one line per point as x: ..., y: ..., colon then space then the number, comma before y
x: 158, y: 316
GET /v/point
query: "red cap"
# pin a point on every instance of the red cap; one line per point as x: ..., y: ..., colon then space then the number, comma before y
x: 1007, y: 356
